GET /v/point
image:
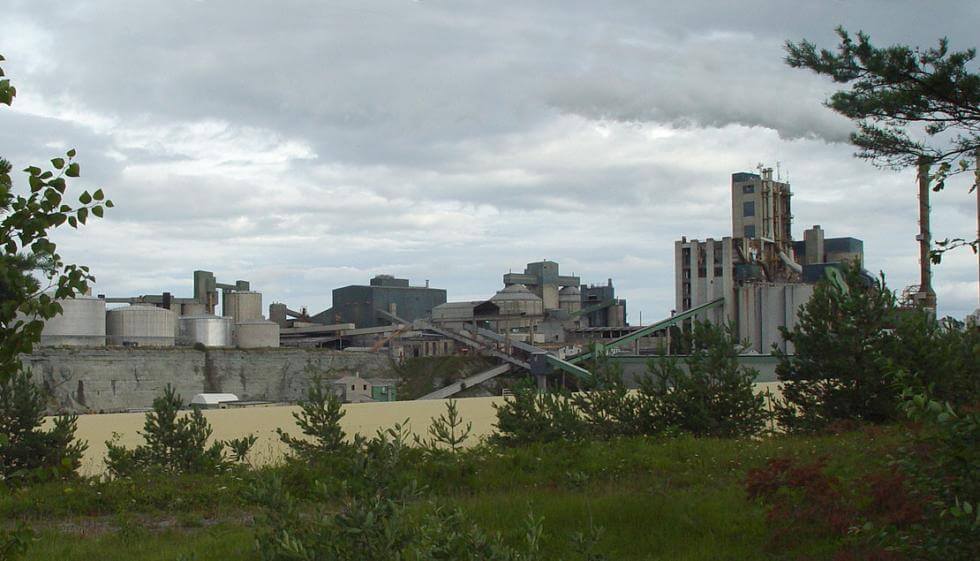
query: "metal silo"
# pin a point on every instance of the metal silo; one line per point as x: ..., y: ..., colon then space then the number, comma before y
x: 257, y: 334
x: 141, y: 325
x: 81, y: 324
x: 241, y: 305
x: 210, y: 331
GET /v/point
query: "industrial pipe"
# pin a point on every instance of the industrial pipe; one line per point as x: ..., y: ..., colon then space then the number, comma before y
x: 790, y: 263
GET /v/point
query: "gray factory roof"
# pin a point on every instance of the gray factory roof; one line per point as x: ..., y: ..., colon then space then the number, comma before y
x: 463, y: 310
x: 514, y: 292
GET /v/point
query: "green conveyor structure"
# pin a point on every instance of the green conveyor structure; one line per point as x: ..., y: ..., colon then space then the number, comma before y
x: 652, y: 328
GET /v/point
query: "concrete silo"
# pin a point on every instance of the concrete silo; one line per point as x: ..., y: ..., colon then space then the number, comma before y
x: 241, y: 305
x: 257, y: 334
x: 82, y: 323
x: 210, y: 331
x: 141, y: 325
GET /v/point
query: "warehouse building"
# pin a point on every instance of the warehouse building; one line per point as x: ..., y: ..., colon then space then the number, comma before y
x: 358, y: 304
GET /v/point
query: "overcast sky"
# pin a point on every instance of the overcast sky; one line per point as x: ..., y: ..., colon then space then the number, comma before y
x: 307, y: 145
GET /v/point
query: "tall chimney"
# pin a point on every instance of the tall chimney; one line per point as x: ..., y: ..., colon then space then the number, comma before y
x: 927, y: 296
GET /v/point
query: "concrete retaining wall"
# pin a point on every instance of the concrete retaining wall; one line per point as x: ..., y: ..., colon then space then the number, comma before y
x: 115, y: 379
x: 635, y: 367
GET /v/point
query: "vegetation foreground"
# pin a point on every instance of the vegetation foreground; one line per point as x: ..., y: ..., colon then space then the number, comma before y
x: 641, y: 498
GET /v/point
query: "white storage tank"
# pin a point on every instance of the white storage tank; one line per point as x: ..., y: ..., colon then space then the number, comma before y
x: 210, y: 331
x: 81, y: 324
x: 143, y: 325
x: 241, y: 305
x: 257, y: 334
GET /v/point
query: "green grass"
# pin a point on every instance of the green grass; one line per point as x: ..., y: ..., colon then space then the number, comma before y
x: 648, y: 524
x: 680, y: 498
x: 216, y: 543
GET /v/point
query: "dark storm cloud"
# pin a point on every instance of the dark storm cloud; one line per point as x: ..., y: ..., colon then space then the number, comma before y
x: 305, y: 145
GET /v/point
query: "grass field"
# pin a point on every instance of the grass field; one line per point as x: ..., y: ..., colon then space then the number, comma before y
x: 680, y: 498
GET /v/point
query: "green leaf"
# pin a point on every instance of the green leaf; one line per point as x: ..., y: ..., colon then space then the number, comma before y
x: 98, y: 195
x: 82, y: 214
x: 58, y: 163
x: 73, y: 170
x: 97, y: 210
x: 85, y: 198
x: 73, y: 222
x: 71, y: 153
x: 109, y: 204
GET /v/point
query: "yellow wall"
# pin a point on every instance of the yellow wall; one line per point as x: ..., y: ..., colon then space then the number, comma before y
x: 361, y: 418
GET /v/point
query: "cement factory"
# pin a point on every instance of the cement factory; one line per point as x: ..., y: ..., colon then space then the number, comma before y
x: 540, y: 322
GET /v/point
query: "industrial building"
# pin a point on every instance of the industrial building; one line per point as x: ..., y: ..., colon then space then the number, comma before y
x: 162, y: 320
x: 601, y: 307
x: 539, y: 306
x: 358, y: 304
x: 758, y: 276
x: 540, y: 319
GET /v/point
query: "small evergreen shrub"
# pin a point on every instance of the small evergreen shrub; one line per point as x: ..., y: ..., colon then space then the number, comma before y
x: 319, y: 419
x: 839, y: 369
x: 381, y: 516
x: 715, y: 396
x: 936, y: 358
x: 447, y: 431
x: 529, y: 416
x: 605, y: 405
x: 28, y: 453
x: 175, y: 442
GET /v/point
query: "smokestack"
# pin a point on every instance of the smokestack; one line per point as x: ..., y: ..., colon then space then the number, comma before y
x: 927, y: 296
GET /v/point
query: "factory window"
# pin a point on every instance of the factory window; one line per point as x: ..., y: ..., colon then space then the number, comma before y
x: 748, y: 188
x: 748, y: 208
x: 750, y: 230
x: 352, y: 387
x: 365, y: 387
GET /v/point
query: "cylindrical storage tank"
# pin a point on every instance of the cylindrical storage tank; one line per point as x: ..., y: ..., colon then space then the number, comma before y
x: 257, y: 334
x: 570, y: 299
x: 517, y: 300
x: 141, y: 325
x: 241, y: 305
x: 193, y: 309
x: 277, y: 313
x: 81, y: 324
x: 210, y: 331
x: 617, y: 313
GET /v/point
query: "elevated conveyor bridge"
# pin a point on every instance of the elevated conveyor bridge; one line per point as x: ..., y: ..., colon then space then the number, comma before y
x: 518, y: 354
